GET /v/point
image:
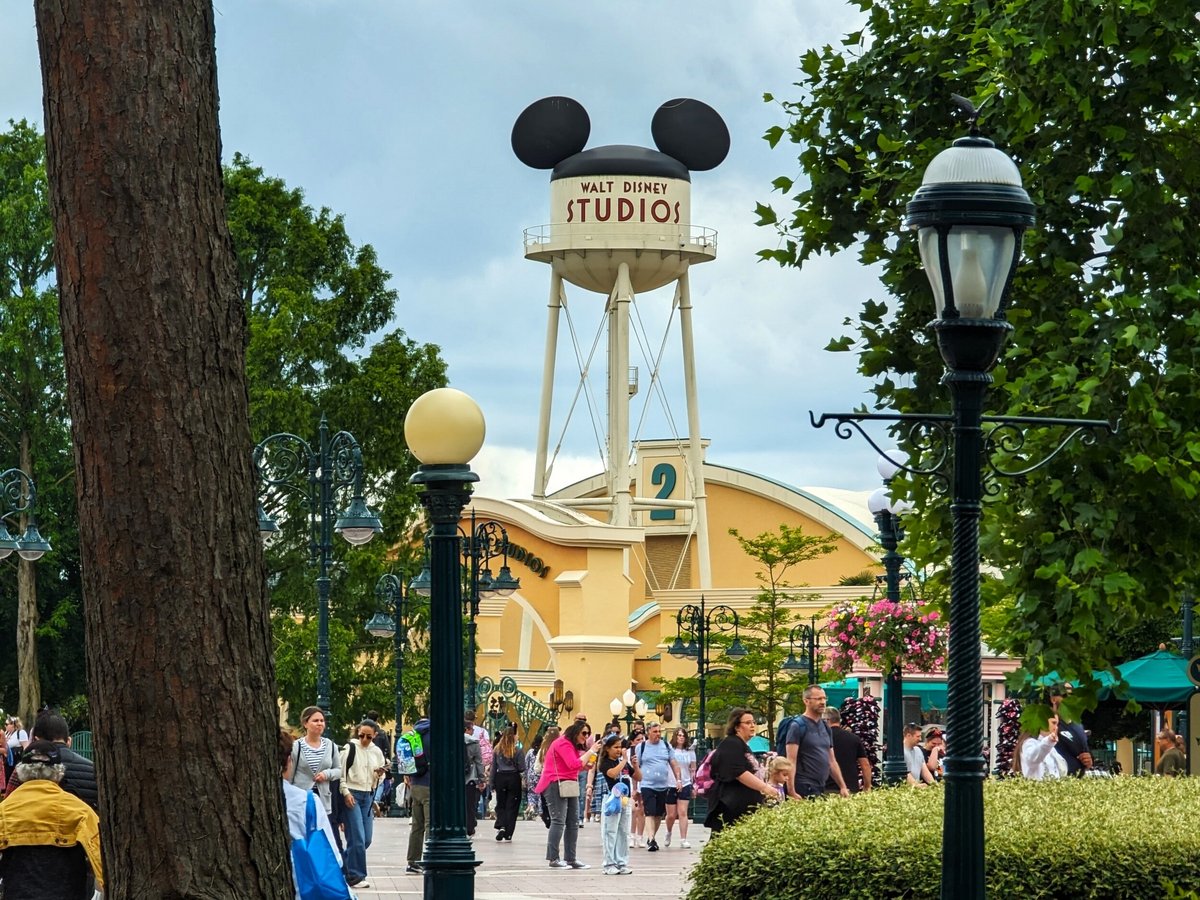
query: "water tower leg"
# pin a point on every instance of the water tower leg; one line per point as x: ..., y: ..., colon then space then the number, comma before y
x: 695, y: 449
x: 618, y: 397
x: 543, y: 438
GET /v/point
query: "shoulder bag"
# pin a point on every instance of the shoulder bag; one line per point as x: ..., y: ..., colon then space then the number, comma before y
x: 567, y: 787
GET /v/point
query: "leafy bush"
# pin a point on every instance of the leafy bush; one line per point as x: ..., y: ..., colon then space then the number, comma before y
x: 1089, y: 839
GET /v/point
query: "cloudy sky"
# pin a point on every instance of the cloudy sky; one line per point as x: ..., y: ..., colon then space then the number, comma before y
x: 398, y: 114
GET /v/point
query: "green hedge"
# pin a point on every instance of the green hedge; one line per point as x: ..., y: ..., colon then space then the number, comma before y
x: 1090, y: 839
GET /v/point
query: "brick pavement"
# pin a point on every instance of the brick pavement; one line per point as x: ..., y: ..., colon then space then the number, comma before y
x: 517, y: 870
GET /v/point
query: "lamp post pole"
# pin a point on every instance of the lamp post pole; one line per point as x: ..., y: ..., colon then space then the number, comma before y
x: 390, y: 594
x: 288, y: 463
x: 444, y: 429
x: 806, y: 637
x: 700, y: 623
x: 887, y: 518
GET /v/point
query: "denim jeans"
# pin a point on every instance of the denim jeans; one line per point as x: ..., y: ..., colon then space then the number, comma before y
x: 614, y: 834
x: 564, y: 824
x: 583, y: 776
x: 359, y: 828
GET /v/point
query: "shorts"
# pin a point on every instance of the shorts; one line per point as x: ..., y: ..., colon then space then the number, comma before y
x: 675, y: 795
x: 654, y: 802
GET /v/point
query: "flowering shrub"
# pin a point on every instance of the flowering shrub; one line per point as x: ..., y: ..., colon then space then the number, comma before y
x: 880, y: 634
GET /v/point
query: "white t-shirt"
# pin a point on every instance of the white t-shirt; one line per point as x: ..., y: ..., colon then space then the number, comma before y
x: 17, y: 738
x: 686, y: 760
x: 914, y: 759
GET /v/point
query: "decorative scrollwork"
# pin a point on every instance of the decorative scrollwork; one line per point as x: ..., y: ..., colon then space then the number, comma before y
x: 1007, y: 440
x: 531, y: 715
x: 17, y: 493
x: 929, y: 436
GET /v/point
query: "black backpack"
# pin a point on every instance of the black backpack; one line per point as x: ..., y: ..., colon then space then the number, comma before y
x: 782, y: 731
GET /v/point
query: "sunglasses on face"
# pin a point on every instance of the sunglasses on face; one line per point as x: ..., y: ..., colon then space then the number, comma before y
x: 365, y: 734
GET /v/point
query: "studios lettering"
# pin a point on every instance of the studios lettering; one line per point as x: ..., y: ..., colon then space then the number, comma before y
x: 601, y: 200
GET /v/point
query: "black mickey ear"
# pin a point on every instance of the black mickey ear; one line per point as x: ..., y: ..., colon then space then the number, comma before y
x: 549, y: 130
x: 692, y: 132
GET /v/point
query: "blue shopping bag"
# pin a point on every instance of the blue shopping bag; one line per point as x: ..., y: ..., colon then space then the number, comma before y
x: 318, y: 875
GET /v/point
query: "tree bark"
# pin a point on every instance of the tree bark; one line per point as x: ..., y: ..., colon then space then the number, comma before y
x: 181, y: 676
x: 29, y: 684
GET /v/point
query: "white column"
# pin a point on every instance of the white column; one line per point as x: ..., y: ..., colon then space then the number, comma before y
x: 618, y: 398
x: 695, y: 446
x: 540, y: 475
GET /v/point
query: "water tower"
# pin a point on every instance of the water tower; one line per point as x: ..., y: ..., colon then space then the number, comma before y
x: 621, y: 226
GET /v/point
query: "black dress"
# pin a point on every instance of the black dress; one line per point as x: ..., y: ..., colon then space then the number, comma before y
x: 733, y: 799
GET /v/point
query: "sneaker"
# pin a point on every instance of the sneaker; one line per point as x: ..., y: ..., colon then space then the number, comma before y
x: 576, y: 864
x: 363, y: 884
x: 624, y: 870
x: 667, y: 842
x: 611, y: 870
x: 685, y: 844
x: 412, y: 870
x: 652, y: 846
x: 559, y: 864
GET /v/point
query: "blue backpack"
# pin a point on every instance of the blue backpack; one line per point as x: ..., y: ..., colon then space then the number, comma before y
x: 782, y: 731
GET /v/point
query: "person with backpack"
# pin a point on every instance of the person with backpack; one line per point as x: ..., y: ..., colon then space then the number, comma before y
x: 417, y: 782
x: 660, y: 772
x: 736, y: 790
x: 807, y: 741
x: 363, y: 766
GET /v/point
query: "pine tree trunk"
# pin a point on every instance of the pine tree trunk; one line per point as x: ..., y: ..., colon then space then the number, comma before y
x: 181, y: 677
x: 29, y: 685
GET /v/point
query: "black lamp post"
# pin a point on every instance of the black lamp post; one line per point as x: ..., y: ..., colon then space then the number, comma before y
x: 970, y: 213
x: 317, y: 475
x: 635, y: 708
x: 444, y: 430
x: 887, y: 514
x: 804, y: 637
x: 483, y: 543
x: 388, y: 621
x: 700, y: 624
x: 18, y: 497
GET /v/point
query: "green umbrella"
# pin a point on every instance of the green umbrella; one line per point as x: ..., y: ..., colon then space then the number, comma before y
x: 1156, y: 679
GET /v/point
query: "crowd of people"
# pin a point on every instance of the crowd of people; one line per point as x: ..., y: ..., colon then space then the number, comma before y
x: 631, y: 784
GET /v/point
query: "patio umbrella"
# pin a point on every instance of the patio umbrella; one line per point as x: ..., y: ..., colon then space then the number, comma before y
x: 1158, y: 679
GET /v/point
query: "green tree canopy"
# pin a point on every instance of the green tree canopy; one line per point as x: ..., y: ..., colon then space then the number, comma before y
x: 316, y: 303
x: 1099, y: 104
x: 758, y: 681
x: 41, y: 647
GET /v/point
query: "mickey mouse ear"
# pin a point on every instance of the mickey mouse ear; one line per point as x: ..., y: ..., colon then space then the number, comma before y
x: 692, y: 132
x: 550, y: 130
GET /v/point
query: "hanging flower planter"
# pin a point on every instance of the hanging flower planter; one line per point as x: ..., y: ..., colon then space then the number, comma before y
x: 880, y: 634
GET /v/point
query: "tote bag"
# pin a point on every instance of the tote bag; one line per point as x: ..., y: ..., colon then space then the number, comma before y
x: 318, y: 875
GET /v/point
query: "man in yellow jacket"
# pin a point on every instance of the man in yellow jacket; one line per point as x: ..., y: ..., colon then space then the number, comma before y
x: 49, y: 839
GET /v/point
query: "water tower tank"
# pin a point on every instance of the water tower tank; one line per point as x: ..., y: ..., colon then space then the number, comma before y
x: 620, y: 203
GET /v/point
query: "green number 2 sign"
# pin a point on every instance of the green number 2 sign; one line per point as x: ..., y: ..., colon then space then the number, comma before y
x: 664, y: 474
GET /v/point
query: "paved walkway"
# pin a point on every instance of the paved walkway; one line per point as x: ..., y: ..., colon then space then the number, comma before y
x: 517, y: 870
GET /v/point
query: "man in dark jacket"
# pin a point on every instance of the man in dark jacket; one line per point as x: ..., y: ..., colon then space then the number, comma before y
x: 80, y: 778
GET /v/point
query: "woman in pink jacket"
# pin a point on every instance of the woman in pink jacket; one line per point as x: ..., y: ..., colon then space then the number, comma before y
x: 563, y: 765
